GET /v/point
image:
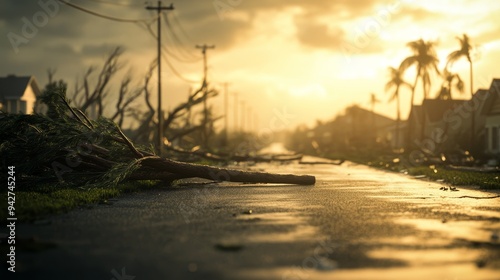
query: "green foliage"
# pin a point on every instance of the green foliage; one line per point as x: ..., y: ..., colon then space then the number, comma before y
x: 51, y: 96
x: 459, y: 178
x: 63, y: 148
x: 38, y: 202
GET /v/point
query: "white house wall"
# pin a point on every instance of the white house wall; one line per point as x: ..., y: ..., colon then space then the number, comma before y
x: 30, y: 98
x: 491, y: 123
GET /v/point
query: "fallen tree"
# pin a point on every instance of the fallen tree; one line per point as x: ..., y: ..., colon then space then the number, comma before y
x: 69, y: 149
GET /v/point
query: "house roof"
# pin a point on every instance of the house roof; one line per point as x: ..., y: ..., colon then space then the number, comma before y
x: 12, y: 87
x: 435, y: 108
x: 493, y: 103
x: 415, y: 112
x: 364, y: 114
x: 495, y: 84
x: 360, y: 116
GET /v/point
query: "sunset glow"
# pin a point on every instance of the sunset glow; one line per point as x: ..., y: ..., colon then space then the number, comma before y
x: 313, y: 58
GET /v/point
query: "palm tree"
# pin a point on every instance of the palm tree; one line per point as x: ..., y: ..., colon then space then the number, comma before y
x: 465, y: 51
x: 396, y: 81
x: 424, y: 57
x: 448, y: 85
x: 373, y: 102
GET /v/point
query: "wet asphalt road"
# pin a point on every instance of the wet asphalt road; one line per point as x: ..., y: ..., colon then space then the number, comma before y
x: 354, y: 223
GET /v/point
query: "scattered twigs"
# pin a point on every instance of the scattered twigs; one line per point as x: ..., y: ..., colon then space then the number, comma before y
x: 473, y: 169
x: 479, y: 197
x: 96, y: 148
x: 73, y: 112
x: 196, y: 153
x: 339, y: 162
x: 129, y: 144
x: 96, y: 160
x: 85, y: 117
x: 237, y: 158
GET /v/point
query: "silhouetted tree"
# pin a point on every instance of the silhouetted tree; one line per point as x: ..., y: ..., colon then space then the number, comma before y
x: 465, y: 51
x: 451, y: 80
x: 396, y: 81
x: 51, y: 97
x: 424, y: 57
x: 93, y: 97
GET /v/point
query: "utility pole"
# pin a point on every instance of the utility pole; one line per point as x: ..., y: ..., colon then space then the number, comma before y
x: 226, y: 112
x: 243, y: 112
x: 249, y: 118
x: 255, y: 122
x: 235, y: 112
x: 159, y: 9
x: 205, y: 86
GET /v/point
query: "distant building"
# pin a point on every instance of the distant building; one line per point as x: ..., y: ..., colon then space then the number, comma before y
x: 396, y: 134
x: 446, y: 125
x: 18, y: 94
x: 367, y: 127
x: 427, y: 123
x: 492, y: 123
x: 355, y: 129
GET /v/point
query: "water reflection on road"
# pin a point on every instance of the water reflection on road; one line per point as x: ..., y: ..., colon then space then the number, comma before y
x: 448, y: 235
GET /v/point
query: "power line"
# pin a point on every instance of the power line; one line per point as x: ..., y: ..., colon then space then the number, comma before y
x: 226, y: 108
x: 177, y: 74
x: 165, y: 53
x: 101, y: 15
x: 204, y: 49
x: 183, y: 31
x: 151, y: 32
x: 194, y: 58
x: 147, y: 26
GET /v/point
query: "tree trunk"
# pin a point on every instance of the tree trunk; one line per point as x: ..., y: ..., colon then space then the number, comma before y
x: 410, y: 126
x: 223, y: 174
x: 473, y: 118
x: 398, y: 119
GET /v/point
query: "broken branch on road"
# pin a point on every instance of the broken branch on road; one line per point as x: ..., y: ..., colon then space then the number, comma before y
x: 71, y: 150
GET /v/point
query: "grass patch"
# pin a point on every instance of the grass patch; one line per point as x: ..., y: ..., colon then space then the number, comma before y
x: 36, y: 203
x: 458, y: 178
x: 483, y: 180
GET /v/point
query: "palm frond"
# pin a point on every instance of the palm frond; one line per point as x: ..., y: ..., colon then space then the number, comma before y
x: 408, y: 62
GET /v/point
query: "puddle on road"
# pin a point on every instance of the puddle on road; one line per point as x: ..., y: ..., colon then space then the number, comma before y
x: 297, y: 234
x: 435, y: 250
x: 283, y: 227
x: 474, y: 231
x: 451, y: 272
x: 428, y: 257
x: 278, y: 218
x: 275, y: 218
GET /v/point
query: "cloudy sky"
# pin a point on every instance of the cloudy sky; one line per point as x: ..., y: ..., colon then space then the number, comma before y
x: 309, y: 59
